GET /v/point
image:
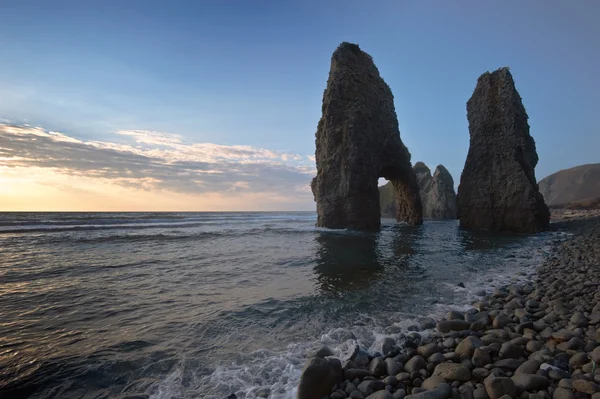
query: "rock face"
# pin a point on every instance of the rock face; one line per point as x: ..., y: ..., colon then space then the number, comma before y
x: 358, y: 141
x: 441, y: 198
x: 437, y: 193
x: 498, y: 190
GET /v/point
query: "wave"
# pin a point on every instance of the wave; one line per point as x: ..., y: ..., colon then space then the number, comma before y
x: 276, y: 374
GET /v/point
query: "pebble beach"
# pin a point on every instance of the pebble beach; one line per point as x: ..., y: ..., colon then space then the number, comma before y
x: 538, y: 337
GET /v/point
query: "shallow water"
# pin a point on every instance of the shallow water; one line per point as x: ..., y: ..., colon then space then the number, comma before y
x: 195, y: 305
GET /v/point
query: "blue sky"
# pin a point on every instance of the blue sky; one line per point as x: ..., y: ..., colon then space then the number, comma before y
x: 252, y: 73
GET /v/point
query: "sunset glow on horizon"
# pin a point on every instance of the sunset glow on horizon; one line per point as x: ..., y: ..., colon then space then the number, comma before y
x: 50, y: 171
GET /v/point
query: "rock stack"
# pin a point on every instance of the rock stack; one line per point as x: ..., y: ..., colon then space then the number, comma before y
x: 437, y: 193
x: 498, y: 190
x: 357, y: 142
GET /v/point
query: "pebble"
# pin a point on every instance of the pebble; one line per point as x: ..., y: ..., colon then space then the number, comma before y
x: 530, y: 340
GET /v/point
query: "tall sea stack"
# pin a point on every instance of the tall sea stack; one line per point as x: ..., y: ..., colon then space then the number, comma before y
x: 498, y: 190
x: 358, y: 141
x: 442, y: 197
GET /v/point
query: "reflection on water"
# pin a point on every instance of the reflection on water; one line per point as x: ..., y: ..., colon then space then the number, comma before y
x: 205, y: 305
x: 354, y: 260
x: 488, y: 240
x: 346, y: 261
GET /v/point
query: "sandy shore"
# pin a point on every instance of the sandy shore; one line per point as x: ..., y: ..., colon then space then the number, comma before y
x: 536, y: 339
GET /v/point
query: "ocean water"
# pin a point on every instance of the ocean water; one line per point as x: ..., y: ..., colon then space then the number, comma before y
x: 203, y: 305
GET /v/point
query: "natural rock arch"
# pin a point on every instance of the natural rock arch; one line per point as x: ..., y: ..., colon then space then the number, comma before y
x: 357, y: 142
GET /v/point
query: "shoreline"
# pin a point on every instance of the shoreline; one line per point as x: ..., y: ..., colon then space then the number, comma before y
x: 536, y: 339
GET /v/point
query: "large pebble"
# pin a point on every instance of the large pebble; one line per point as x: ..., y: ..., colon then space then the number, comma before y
x: 443, y: 391
x: 357, y: 373
x: 446, y: 326
x: 496, y: 387
x: 377, y: 367
x: 415, y: 364
x: 562, y: 393
x: 511, y: 351
x: 585, y: 386
x: 480, y: 358
x: 428, y: 350
x: 529, y: 367
x: 530, y: 382
x: 452, y: 372
x: 380, y: 395
x: 467, y: 346
x: 392, y: 367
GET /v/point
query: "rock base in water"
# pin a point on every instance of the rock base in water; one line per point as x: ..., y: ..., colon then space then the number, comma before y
x: 498, y: 190
x: 357, y: 142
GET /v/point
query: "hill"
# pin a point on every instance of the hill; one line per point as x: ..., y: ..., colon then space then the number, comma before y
x: 574, y: 187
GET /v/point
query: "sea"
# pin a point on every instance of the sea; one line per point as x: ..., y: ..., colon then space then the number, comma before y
x: 206, y: 305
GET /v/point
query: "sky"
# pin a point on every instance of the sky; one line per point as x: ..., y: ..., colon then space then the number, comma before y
x: 213, y: 105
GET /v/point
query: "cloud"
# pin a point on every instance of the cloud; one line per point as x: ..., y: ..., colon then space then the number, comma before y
x: 157, y: 161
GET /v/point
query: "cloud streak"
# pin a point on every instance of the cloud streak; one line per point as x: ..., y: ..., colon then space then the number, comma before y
x: 160, y: 162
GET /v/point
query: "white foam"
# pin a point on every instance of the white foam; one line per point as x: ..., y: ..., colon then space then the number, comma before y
x: 280, y: 372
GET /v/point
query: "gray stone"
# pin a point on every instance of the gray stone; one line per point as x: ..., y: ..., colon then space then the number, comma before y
x: 356, y: 395
x: 380, y: 395
x: 530, y: 382
x: 595, y: 355
x: 500, y: 321
x: 480, y: 358
x: 443, y: 391
x: 432, y: 382
x: 501, y: 150
x: 357, y: 142
x: 390, y: 380
x: 529, y: 367
x: 467, y: 346
x: 480, y: 373
x: 436, y: 358
x: 415, y: 364
x: 428, y: 350
x: 452, y: 372
x: 578, y: 359
x: 581, y: 385
x: 318, y: 377
x: 533, y: 346
x: 323, y: 352
x: 367, y: 387
x: 510, y: 350
x: 377, y: 367
x: 388, y: 345
x: 356, y: 373
x: 578, y: 319
x: 399, y: 394
x: 392, y: 367
x: 562, y: 393
x: 496, y: 387
x: 446, y: 326
x: 480, y: 393
x: 349, y: 388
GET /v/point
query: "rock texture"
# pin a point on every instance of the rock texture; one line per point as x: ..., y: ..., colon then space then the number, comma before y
x: 498, y: 190
x: 441, y: 199
x: 437, y: 193
x: 358, y: 141
x: 571, y: 186
x: 387, y: 203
